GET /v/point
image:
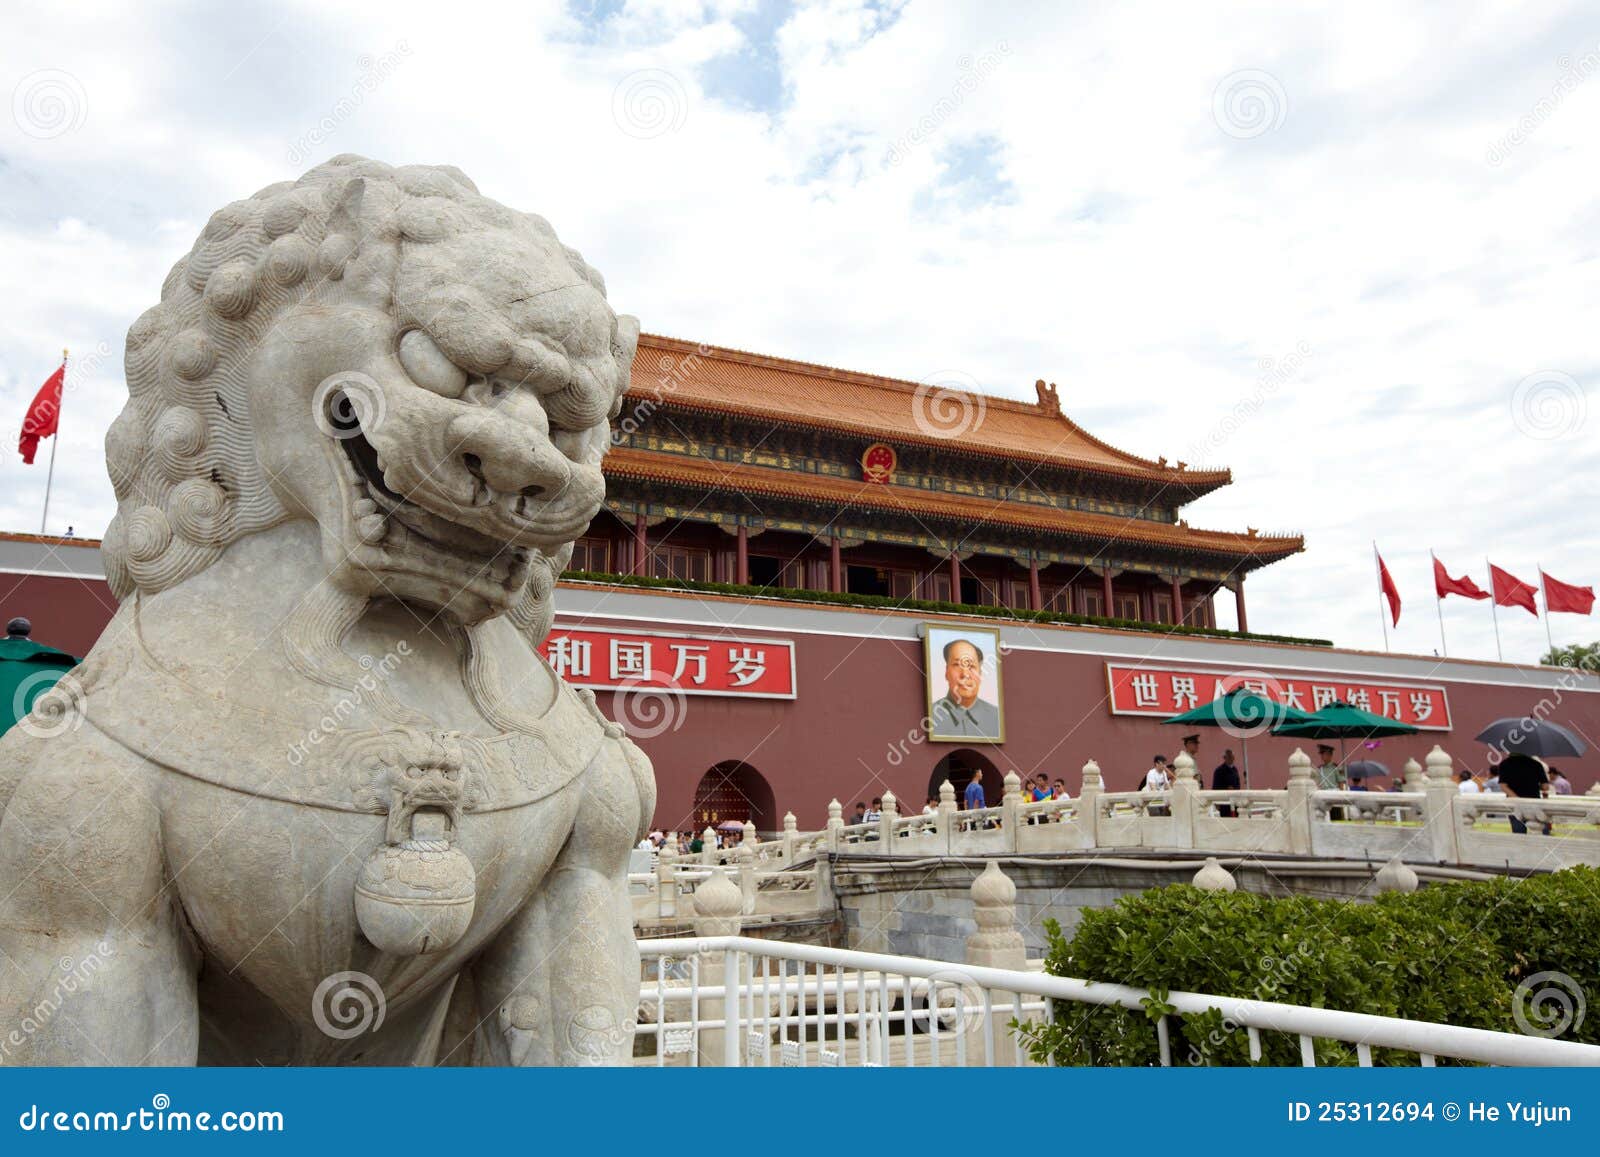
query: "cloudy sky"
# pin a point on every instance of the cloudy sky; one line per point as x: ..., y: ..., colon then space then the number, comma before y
x: 1349, y: 251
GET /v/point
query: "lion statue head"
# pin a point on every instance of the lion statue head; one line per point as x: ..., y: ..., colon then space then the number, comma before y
x: 426, y: 374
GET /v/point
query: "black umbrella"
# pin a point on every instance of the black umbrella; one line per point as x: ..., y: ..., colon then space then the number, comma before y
x: 1525, y: 735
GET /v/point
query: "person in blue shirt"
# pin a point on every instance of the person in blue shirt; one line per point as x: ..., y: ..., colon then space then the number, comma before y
x: 973, y: 798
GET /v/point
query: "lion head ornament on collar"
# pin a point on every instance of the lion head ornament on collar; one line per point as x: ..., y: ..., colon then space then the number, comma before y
x: 425, y: 373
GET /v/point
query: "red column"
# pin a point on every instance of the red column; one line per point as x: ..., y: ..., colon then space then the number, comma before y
x: 1105, y: 592
x: 641, y: 546
x: 1177, y: 601
x: 1035, y: 599
x: 955, y: 578
x: 835, y: 566
x: 1238, y: 603
x: 741, y: 563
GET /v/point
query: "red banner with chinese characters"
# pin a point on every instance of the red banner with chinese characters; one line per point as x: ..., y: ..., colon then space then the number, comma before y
x: 1163, y: 691
x: 690, y: 664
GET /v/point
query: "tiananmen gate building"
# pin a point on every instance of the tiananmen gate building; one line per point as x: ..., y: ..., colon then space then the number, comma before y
x: 795, y: 563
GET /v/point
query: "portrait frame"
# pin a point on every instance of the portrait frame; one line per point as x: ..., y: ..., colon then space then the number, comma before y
x: 935, y: 638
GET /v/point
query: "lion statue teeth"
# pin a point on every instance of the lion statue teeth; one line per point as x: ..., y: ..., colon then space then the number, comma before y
x: 316, y: 754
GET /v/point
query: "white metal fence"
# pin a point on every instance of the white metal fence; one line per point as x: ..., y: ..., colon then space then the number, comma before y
x: 738, y: 1001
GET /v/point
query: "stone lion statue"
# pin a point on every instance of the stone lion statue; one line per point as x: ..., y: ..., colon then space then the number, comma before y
x: 315, y: 798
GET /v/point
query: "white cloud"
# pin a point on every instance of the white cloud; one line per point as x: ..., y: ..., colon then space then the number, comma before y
x: 1142, y: 257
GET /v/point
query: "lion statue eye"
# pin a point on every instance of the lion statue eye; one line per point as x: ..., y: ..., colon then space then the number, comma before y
x: 429, y: 367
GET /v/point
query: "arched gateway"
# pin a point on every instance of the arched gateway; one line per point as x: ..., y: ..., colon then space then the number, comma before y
x: 958, y: 767
x: 733, y: 790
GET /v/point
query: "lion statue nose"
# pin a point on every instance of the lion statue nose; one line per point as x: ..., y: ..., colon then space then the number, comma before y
x: 510, y: 457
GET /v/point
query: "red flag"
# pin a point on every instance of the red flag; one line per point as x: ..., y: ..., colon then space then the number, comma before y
x: 1562, y: 597
x: 43, y: 416
x: 1510, y: 591
x: 1390, y: 591
x: 1443, y: 584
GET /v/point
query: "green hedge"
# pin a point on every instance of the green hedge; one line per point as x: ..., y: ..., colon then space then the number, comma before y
x: 791, y: 594
x: 1450, y: 953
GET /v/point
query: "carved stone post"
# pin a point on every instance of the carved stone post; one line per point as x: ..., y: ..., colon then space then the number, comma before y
x: 791, y: 833
x: 1297, y: 808
x: 745, y: 858
x: 947, y: 814
x: 835, y: 825
x: 1440, y: 809
x: 1213, y: 877
x: 1416, y: 780
x: 1011, y: 810
x: 716, y: 904
x: 666, y: 878
x: 995, y: 944
x: 1089, y: 801
x: 891, y: 812
x: 1395, y: 877
x: 708, y: 846
x: 749, y: 840
x: 1185, y: 805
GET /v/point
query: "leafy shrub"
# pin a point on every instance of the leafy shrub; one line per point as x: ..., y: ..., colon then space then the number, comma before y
x: 1451, y: 953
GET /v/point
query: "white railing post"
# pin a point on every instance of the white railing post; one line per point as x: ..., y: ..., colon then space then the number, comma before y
x: 1440, y: 808
x: 708, y: 846
x: 791, y: 833
x: 749, y: 835
x: 947, y: 814
x: 745, y: 857
x: 835, y: 825
x: 1011, y: 811
x: 1089, y: 802
x: 890, y: 813
x: 666, y: 877
x: 716, y: 904
x: 1184, y: 801
x: 1416, y: 779
x: 995, y: 944
x: 1297, y: 807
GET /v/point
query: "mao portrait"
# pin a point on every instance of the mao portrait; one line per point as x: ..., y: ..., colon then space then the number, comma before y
x: 964, y: 697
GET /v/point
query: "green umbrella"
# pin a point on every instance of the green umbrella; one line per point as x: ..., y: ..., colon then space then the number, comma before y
x: 1338, y: 720
x: 27, y: 671
x: 1243, y: 713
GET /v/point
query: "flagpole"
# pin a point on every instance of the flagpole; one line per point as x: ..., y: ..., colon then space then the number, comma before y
x: 1377, y: 564
x: 1494, y: 614
x: 50, y: 477
x: 1544, y: 590
x: 1438, y: 604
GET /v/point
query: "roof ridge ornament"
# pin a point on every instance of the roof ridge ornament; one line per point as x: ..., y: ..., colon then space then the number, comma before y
x: 1048, y: 399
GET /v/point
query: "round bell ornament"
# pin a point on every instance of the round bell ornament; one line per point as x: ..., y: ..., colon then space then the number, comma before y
x: 417, y: 896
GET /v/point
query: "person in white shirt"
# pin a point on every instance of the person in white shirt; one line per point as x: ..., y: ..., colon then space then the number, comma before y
x: 1465, y: 784
x: 1157, y: 778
